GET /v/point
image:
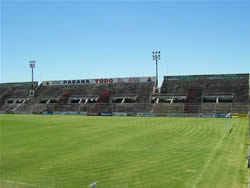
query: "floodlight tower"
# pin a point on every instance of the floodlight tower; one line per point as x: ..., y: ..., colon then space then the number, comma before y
x: 156, y: 56
x: 32, y: 66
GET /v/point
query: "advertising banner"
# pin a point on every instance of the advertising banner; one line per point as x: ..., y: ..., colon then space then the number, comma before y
x: 106, y: 113
x: 119, y: 113
x: 208, y: 115
x: 146, y: 114
x: 18, y: 84
x: 220, y: 115
x: 84, y: 113
x: 100, y: 81
x: 206, y: 77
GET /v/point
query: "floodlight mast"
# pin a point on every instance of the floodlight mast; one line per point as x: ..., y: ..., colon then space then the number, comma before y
x: 156, y: 56
x: 32, y: 66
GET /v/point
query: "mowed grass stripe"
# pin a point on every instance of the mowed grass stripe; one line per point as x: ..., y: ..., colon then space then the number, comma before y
x: 73, y: 151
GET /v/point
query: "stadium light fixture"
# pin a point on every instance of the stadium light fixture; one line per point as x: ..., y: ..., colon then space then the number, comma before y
x: 32, y: 66
x: 156, y: 56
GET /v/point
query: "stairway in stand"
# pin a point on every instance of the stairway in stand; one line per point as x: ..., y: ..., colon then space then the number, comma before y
x: 63, y: 100
x: 4, y: 97
x: 193, y: 101
x: 103, y: 99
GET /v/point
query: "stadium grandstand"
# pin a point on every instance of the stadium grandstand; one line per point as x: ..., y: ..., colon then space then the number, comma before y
x: 193, y: 95
x: 204, y: 94
x: 15, y: 95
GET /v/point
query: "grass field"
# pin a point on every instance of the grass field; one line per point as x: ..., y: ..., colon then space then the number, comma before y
x: 122, y: 152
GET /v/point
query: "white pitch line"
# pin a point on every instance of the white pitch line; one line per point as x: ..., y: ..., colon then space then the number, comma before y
x: 208, y: 162
x: 20, y: 183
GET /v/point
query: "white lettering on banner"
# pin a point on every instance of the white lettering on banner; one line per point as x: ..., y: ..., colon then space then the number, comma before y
x: 134, y: 79
x: 100, y: 81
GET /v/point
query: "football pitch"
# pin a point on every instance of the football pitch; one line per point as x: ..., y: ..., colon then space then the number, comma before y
x: 122, y: 152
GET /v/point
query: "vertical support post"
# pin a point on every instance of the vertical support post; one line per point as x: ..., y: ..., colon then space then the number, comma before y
x: 226, y: 125
x: 32, y: 75
x: 249, y: 124
x: 32, y: 66
x: 156, y: 56
x: 156, y: 72
x: 229, y: 126
x: 248, y: 160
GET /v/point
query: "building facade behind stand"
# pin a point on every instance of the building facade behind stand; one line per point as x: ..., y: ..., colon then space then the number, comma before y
x: 193, y: 95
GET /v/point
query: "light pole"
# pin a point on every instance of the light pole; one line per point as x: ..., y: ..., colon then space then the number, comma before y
x: 32, y: 66
x: 156, y: 56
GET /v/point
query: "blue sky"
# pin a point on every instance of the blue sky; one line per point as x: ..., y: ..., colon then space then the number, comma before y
x: 100, y: 39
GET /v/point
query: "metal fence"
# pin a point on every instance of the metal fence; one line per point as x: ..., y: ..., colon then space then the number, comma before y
x: 138, y: 109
